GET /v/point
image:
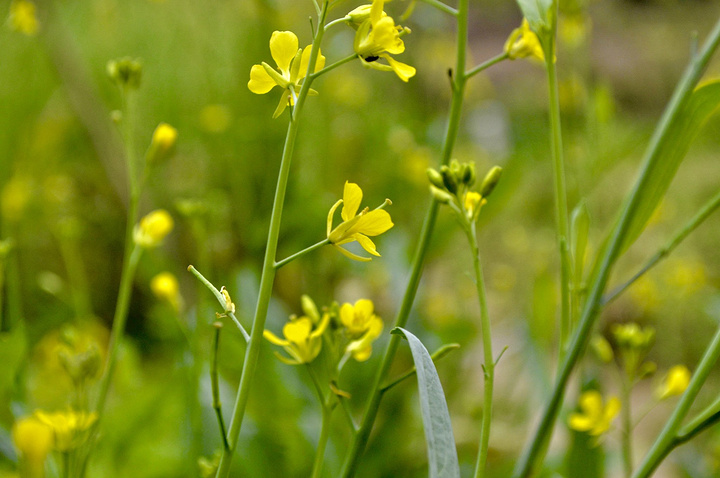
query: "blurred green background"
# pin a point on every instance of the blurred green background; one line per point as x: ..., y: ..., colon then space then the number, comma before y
x: 64, y: 195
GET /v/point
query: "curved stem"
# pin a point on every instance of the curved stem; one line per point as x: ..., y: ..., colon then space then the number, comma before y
x: 360, y: 439
x: 331, y: 67
x: 291, y: 258
x: 487, y: 64
x: 489, y: 366
x: 267, y: 277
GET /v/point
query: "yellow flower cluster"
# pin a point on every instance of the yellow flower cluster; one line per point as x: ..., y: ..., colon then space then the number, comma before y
x: 524, y: 43
x: 362, y: 326
x: 303, y: 339
x: 595, y: 417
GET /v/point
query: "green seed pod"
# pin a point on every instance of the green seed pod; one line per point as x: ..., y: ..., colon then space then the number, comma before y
x: 490, y: 181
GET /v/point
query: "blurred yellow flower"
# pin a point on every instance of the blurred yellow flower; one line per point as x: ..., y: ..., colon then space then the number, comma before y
x: 165, y: 287
x: 677, y: 380
x: 362, y: 326
x: 33, y: 441
x: 357, y: 226
x: 23, y: 17
x: 472, y: 202
x: 632, y: 336
x: 301, y: 342
x: 162, y: 143
x: 70, y: 429
x: 377, y: 36
x: 292, y: 64
x: 215, y: 118
x: 153, y: 228
x: 523, y: 43
x: 595, y: 418
x: 15, y: 197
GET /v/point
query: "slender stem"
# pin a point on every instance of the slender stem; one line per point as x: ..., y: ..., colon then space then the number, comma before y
x: 291, y: 258
x: 535, y: 448
x: 360, y: 439
x: 489, y: 366
x: 331, y: 67
x: 76, y: 274
x: 267, y: 277
x: 668, y: 438
x: 437, y: 355
x: 698, y: 219
x: 443, y: 7
x: 487, y: 64
x: 322, y: 442
x: 627, y: 424
x: 705, y: 419
x: 348, y: 414
x: 217, y: 405
x: 337, y: 22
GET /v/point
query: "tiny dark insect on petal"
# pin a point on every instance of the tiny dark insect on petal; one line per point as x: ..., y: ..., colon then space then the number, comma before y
x: 370, y: 59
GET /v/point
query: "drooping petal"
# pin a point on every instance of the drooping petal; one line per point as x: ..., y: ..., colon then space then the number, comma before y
x: 305, y: 60
x: 352, y: 196
x: 283, y: 47
x: 352, y: 256
x: 281, y: 105
x: 260, y: 82
x: 366, y: 244
x: 274, y: 339
x: 321, y: 327
x: 331, y: 215
x: 403, y: 71
x: 373, y: 223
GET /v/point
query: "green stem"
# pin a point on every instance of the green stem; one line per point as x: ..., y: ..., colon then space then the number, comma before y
x: 705, y: 419
x: 698, y: 219
x: 627, y: 425
x: 291, y: 258
x: 337, y: 22
x: 331, y: 67
x: 76, y: 274
x: 217, y: 405
x: 487, y: 64
x: 442, y: 7
x: 489, y: 366
x: 267, y: 277
x: 357, y: 447
x: 669, y: 436
x: 534, y: 451
x: 327, y: 410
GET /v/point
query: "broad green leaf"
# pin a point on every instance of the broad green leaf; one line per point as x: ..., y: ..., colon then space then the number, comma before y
x: 537, y: 13
x: 666, y: 158
x: 442, y: 455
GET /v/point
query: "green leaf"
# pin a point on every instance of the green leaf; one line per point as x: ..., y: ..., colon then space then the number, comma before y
x: 665, y: 159
x: 442, y: 455
x: 12, y: 354
x: 537, y: 13
x: 579, y: 229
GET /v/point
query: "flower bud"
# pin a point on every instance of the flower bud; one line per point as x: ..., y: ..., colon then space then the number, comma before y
x: 449, y: 179
x: 162, y: 143
x: 435, y: 178
x: 490, y: 181
x: 468, y: 174
x: 359, y: 15
x: 229, y: 305
x: 126, y: 72
x: 153, y: 228
x: 440, y: 195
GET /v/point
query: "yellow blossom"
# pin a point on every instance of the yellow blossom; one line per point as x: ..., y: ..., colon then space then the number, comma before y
x: 473, y: 201
x: 677, y: 380
x: 357, y: 226
x: 153, y: 228
x: 70, y: 429
x: 33, y: 441
x: 523, y: 43
x: 377, y: 37
x: 301, y: 342
x: 362, y: 326
x: 165, y: 287
x: 23, y: 17
x: 595, y: 418
x: 162, y: 143
x: 15, y: 197
x: 292, y: 64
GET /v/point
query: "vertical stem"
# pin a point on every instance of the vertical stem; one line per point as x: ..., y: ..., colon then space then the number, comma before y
x: 627, y: 425
x: 489, y: 366
x: 267, y: 277
x: 459, y: 80
x: 322, y: 442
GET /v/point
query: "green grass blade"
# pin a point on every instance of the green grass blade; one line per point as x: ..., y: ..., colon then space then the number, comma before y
x: 667, y: 156
x: 442, y: 455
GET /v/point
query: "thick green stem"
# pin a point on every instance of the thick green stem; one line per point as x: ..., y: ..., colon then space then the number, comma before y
x: 267, y: 277
x: 459, y: 80
x: 627, y: 425
x: 668, y: 438
x: 489, y: 366
x: 534, y: 452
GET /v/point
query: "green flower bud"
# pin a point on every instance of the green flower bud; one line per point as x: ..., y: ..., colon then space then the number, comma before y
x: 441, y: 195
x: 490, y: 181
x: 449, y: 179
x: 435, y: 178
x: 126, y: 72
x: 468, y: 174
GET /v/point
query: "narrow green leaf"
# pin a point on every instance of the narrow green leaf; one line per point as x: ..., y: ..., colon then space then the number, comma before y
x: 442, y: 455
x: 665, y: 159
x: 579, y: 229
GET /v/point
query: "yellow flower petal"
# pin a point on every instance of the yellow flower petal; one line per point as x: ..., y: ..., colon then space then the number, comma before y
x: 352, y: 256
x: 366, y: 244
x: 274, y: 339
x: 373, y: 223
x: 283, y: 48
x: 352, y: 196
x: 386, y: 37
x: 305, y: 60
x: 260, y: 82
x: 403, y: 71
x: 298, y: 330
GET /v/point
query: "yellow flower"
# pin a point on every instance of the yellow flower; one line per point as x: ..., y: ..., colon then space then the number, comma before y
x: 23, y: 17
x: 165, y: 287
x: 301, y: 342
x: 677, y: 380
x: 33, y: 441
x: 473, y: 201
x: 357, y: 226
x: 377, y: 37
x: 162, y: 143
x: 153, y: 228
x: 595, y: 417
x: 292, y: 64
x: 70, y: 429
x: 632, y: 336
x: 523, y: 43
x: 361, y: 325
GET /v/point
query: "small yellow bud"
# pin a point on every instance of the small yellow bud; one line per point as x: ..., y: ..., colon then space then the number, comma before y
x: 435, y: 178
x: 677, y: 380
x: 602, y: 348
x: 23, y: 17
x: 440, y: 195
x: 163, y: 141
x: 153, y: 228
x: 229, y: 306
x: 165, y: 287
x: 473, y: 202
x: 359, y: 15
